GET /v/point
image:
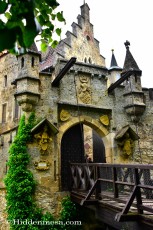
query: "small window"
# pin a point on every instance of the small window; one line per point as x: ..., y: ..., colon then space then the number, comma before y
x: 16, y: 111
x: 88, y: 38
x: 10, y: 140
x: 90, y: 61
x: 3, y: 113
x: 32, y: 61
x: 22, y: 62
x: 1, y: 140
x: 5, y: 81
x: 151, y: 94
x: 85, y: 60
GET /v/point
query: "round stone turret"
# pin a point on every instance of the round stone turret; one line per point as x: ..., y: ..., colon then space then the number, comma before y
x: 114, y: 72
x: 134, y: 97
x: 27, y: 82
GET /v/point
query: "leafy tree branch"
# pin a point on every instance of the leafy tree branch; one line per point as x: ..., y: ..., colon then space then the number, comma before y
x: 24, y: 20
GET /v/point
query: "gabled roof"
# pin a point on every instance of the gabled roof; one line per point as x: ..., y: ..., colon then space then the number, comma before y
x: 42, y: 123
x: 124, y: 130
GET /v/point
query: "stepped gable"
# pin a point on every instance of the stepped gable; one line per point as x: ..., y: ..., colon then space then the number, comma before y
x: 79, y: 43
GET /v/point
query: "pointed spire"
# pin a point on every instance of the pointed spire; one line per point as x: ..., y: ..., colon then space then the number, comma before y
x: 113, y: 64
x: 113, y: 60
x: 129, y: 62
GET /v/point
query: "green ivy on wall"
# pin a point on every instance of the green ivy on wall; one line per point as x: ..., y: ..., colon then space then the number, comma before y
x: 19, y: 181
x: 20, y: 187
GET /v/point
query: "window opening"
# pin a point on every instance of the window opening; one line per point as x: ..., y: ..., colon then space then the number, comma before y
x: 90, y: 60
x: 16, y: 112
x: 32, y: 61
x: 3, y: 113
x: 22, y: 62
x: 88, y: 38
x: 5, y: 81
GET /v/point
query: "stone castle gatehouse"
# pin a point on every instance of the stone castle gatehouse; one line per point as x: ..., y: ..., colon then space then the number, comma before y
x: 83, y: 108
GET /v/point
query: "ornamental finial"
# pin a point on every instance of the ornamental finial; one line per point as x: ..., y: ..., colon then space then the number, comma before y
x: 127, y: 44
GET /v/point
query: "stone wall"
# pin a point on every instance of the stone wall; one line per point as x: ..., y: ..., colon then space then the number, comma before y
x: 4, y: 225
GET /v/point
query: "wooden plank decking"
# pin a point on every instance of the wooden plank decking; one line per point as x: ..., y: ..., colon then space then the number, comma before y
x: 121, y: 192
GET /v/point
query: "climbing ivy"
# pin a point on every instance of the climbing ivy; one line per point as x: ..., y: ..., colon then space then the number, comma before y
x: 19, y: 181
x: 20, y: 187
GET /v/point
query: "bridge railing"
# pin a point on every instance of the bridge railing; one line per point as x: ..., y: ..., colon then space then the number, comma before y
x: 125, y: 182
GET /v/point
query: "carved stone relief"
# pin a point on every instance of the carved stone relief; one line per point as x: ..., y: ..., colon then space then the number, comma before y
x: 44, y: 140
x: 64, y: 115
x: 126, y: 145
x: 84, y: 90
x: 104, y: 120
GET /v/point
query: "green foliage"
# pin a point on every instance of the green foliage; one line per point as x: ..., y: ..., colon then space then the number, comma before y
x: 20, y: 187
x: 27, y: 19
x: 19, y: 180
x: 70, y: 212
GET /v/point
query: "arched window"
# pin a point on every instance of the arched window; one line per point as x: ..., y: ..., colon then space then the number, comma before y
x: 90, y: 61
x: 85, y: 60
x: 32, y: 61
x: 22, y: 62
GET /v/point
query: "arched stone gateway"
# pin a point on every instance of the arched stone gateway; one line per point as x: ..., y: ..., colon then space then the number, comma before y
x: 73, y: 135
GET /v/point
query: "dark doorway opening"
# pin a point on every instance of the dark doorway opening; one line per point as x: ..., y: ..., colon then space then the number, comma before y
x: 98, y: 149
x: 72, y: 150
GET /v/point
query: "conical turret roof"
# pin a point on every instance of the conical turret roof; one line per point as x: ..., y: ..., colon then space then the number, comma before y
x: 129, y: 63
x: 113, y: 64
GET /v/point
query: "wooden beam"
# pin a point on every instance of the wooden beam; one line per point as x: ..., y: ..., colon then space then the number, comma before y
x: 66, y: 68
x: 119, y: 81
